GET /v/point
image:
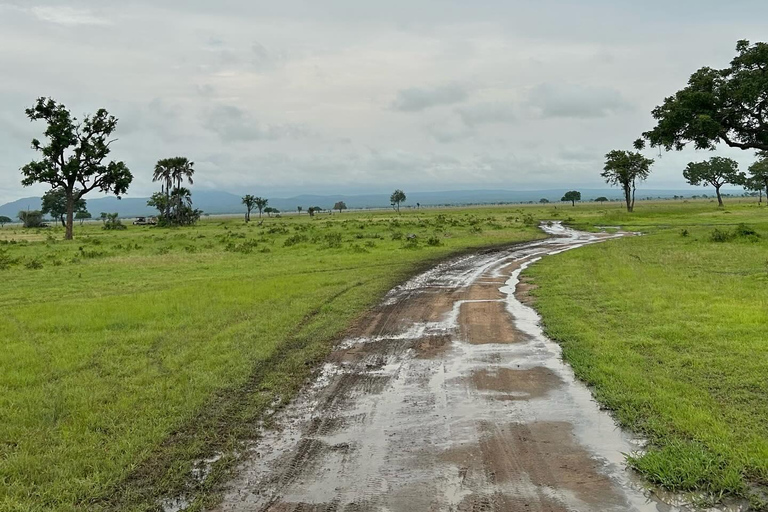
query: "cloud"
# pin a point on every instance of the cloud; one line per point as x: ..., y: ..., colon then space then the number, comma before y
x: 554, y: 100
x: 234, y: 124
x: 68, y: 16
x: 488, y: 113
x: 416, y: 99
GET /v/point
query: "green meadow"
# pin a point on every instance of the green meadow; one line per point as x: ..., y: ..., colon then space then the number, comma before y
x: 129, y: 355
x: 670, y: 329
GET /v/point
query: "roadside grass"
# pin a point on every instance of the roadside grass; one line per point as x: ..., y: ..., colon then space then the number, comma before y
x: 130, y: 356
x: 670, y: 330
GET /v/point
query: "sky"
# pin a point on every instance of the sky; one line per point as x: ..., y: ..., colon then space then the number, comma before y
x: 288, y: 97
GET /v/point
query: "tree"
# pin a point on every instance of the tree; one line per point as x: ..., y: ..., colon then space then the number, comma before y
x: 74, y: 155
x: 717, y: 171
x: 298, y: 209
x: 31, y: 218
x: 269, y: 210
x: 173, y: 172
x: 624, y: 169
x: 601, y: 199
x: 261, y: 203
x: 544, y: 200
x: 718, y: 105
x: 4, y: 220
x: 312, y: 210
x: 759, y: 173
x: 55, y: 204
x: 397, y: 197
x: 250, y: 202
x: 340, y: 205
x: 82, y: 216
x: 572, y: 196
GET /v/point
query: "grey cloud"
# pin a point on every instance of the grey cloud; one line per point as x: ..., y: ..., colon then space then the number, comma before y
x: 488, y: 113
x: 551, y: 100
x: 64, y: 15
x: 416, y: 99
x: 234, y: 124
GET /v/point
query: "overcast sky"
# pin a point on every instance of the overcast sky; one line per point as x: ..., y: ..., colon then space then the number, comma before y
x: 285, y: 97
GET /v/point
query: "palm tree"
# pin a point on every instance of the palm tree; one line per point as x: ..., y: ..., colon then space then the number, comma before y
x: 164, y: 174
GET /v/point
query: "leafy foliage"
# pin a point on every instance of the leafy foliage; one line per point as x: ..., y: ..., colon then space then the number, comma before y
x: 31, y: 218
x: 55, y: 205
x: 4, y: 220
x: 250, y: 202
x: 397, y: 197
x: 718, y: 105
x: 340, y: 205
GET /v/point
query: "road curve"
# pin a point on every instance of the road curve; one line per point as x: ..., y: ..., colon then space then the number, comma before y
x: 446, y: 397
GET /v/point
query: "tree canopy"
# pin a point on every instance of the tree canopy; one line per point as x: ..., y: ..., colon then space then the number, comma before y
x: 260, y: 203
x: 601, y: 199
x: 250, y: 202
x: 727, y: 105
x: 82, y: 216
x: 4, y: 220
x: 758, y: 173
x: 624, y: 169
x: 340, y: 205
x: 31, y: 218
x: 73, y: 156
x: 717, y: 171
x: 55, y: 204
x: 397, y: 197
x: 572, y: 196
x: 543, y: 200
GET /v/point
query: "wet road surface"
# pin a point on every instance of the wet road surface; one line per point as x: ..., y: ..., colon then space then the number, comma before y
x: 446, y: 397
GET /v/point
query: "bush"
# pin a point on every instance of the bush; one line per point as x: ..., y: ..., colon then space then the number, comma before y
x: 397, y: 235
x: 434, y: 241
x: 295, y: 239
x: 33, y: 264
x: 332, y: 240
x: 720, y: 236
x: 5, y: 259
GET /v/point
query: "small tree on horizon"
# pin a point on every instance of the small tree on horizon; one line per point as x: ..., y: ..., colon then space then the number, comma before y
x: 82, y: 216
x: 572, y: 196
x: 624, y: 169
x: 73, y: 155
x: 601, y: 199
x: 269, y: 211
x: 298, y: 209
x: 543, y: 200
x: 340, y: 205
x: 5, y: 220
x: 759, y: 173
x: 397, y: 197
x: 717, y: 171
x: 250, y: 202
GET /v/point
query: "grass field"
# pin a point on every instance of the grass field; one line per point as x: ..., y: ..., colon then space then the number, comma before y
x: 671, y: 331
x: 129, y: 355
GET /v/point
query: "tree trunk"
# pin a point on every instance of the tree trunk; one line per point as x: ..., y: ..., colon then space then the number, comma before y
x: 719, y: 198
x: 63, y: 223
x: 627, y: 198
x: 70, y: 215
x: 573, y: 202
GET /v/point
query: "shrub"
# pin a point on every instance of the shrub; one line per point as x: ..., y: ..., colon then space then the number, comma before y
x: 295, y: 239
x: 720, y: 236
x: 332, y: 240
x: 33, y: 264
x: 434, y: 241
x: 5, y: 259
x: 411, y: 242
x: 397, y: 235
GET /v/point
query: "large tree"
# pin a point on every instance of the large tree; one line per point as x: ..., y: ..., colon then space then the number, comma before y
x: 54, y: 203
x: 719, y: 105
x: 250, y: 202
x: 572, y: 196
x: 625, y: 169
x: 73, y: 156
x: 397, y: 197
x: 717, y: 171
x: 340, y: 205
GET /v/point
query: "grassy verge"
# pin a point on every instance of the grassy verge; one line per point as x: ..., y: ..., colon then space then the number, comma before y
x: 670, y: 331
x: 128, y: 356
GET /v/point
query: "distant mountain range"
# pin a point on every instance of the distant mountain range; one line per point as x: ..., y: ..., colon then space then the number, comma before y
x: 217, y: 202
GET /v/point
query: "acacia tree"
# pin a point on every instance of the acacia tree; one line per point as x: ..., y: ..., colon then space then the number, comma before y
x: 543, y: 200
x: 601, y: 199
x: 298, y: 209
x: 397, y: 197
x: 54, y: 203
x: 249, y: 201
x: 340, y: 205
x: 261, y: 203
x: 718, y: 105
x: 4, y: 220
x: 572, y: 196
x: 717, y: 171
x: 624, y: 169
x: 269, y: 211
x: 73, y: 157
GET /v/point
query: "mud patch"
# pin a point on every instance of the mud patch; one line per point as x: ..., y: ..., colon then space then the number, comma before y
x: 432, y: 346
x: 488, y: 322
x: 523, y: 291
x: 517, y: 384
x: 499, y: 502
x: 484, y: 291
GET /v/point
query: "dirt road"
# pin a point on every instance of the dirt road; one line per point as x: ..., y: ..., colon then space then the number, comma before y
x: 447, y: 397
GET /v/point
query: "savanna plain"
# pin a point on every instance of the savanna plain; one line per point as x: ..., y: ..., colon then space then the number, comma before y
x: 128, y: 356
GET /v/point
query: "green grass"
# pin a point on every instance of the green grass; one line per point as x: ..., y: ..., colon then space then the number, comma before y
x: 671, y: 331
x: 128, y: 355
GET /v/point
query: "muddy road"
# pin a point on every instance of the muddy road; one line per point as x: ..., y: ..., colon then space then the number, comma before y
x: 447, y: 397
